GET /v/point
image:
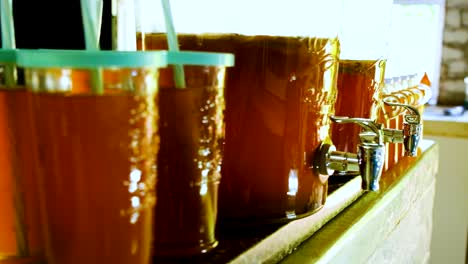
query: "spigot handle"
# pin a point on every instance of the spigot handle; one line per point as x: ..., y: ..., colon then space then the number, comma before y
x: 413, y: 118
x: 368, y: 161
x: 367, y: 124
x: 412, y: 129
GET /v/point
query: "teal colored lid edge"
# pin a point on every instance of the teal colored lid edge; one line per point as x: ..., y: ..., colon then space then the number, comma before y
x: 8, y: 56
x: 42, y: 58
x: 200, y: 58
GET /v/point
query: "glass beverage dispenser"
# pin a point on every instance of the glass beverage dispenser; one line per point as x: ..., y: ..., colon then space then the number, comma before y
x: 279, y: 96
x: 97, y: 138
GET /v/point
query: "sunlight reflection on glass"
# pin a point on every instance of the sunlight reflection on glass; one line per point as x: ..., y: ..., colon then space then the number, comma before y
x: 135, y: 175
x: 293, y: 183
x: 203, y: 188
x: 204, y: 182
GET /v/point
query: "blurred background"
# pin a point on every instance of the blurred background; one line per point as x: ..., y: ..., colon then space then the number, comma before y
x: 55, y: 24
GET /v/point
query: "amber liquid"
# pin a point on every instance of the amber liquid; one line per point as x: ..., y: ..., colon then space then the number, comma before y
x: 279, y: 95
x: 20, y: 234
x: 97, y: 155
x: 388, y: 117
x: 358, y: 83
x: 393, y: 148
x: 189, y: 160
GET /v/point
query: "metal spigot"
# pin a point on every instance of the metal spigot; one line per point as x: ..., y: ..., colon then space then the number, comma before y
x: 370, y: 156
x: 410, y: 135
x: 369, y: 159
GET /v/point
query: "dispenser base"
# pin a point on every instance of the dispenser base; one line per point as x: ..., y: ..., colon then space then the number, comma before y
x: 242, y: 223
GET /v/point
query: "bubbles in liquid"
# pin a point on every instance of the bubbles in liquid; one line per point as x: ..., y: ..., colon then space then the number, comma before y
x: 143, y: 150
x: 209, y: 156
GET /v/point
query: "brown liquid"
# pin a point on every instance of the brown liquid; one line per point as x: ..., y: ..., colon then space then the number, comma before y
x: 387, y: 115
x: 279, y: 95
x: 400, y: 148
x: 20, y: 225
x: 97, y: 155
x: 393, y: 147
x: 16, y: 260
x: 358, y: 81
x: 8, y: 245
x: 189, y: 160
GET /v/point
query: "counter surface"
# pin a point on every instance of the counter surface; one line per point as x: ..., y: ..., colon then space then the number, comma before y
x: 438, y: 124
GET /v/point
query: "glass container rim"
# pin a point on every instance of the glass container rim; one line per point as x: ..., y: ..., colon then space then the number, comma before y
x: 48, y: 58
x: 8, y: 56
x: 200, y: 58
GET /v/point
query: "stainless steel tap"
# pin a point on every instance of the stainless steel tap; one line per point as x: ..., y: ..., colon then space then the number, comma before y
x: 369, y: 159
x: 410, y: 135
x: 370, y: 156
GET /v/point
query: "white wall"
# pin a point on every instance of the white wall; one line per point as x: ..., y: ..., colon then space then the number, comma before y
x: 450, y: 215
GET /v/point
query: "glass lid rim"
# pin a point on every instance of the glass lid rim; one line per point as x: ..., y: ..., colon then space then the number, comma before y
x: 53, y: 58
x: 206, y: 58
x: 8, y: 55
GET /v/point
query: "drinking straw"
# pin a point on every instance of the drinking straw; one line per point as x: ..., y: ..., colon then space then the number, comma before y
x: 8, y: 38
x: 100, y: 6
x: 124, y: 25
x: 8, y: 43
x: 179, y: 75
x: 114, y: 24
x: 92, y: 17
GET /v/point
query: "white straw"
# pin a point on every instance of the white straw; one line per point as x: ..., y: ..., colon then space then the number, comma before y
x: 8, y: 39
x: 179, y: 75
x: 92, y: 17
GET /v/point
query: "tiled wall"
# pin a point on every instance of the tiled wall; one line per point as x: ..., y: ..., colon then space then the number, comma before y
x: 454, y: 66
